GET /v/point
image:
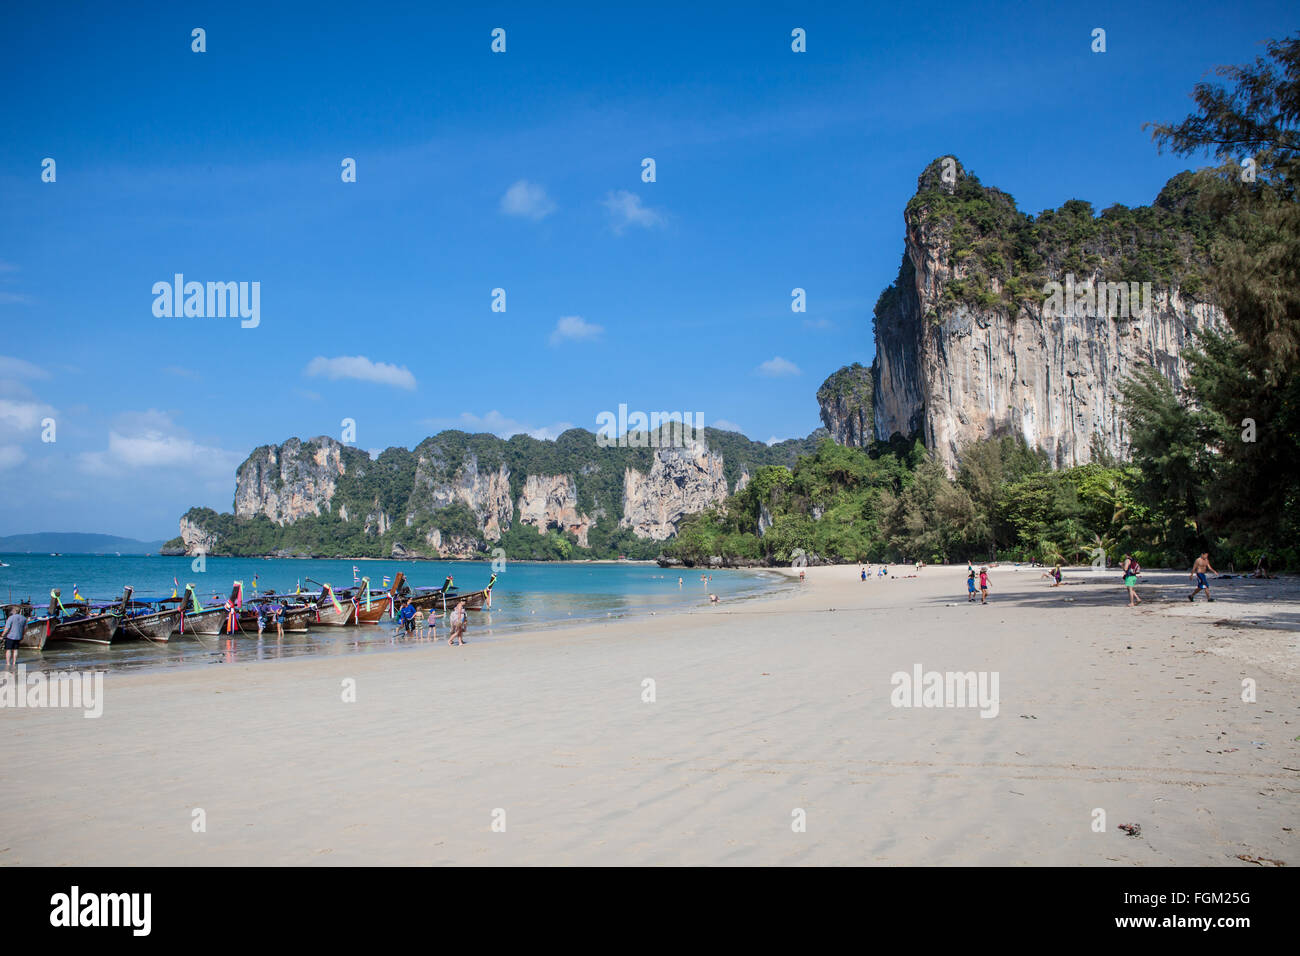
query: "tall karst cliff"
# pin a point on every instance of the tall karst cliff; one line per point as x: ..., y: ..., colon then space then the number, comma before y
x: 462, y: 495
x: 972, y: 339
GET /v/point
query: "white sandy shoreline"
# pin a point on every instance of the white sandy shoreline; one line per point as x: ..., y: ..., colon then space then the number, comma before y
x: 762, y: 708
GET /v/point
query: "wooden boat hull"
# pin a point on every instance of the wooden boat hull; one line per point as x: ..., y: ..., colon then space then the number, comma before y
x: 36, y: 634
x: 97, y: 629
x: 208, y: 621
x: 330, y: 616
x: 377, y: 610
x: 432, y: 601
x: 296, y: 620
x: 157, y: 627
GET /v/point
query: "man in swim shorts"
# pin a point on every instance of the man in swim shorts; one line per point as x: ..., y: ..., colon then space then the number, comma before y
x: 1199, y: 567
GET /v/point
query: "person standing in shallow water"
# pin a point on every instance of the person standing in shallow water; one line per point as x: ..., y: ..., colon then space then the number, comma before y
x: 15, y: 625
x: 458, y: 623
x: 1199, y: 567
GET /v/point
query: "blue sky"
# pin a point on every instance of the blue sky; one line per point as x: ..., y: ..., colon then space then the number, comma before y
x: 520, y: 171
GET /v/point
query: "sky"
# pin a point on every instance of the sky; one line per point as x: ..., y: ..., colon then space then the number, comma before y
x: 520, y: 170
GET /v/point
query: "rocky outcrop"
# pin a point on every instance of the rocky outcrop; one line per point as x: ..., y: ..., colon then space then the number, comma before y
x: 959, y: 359
x: 681, y: 481
x: 289, y: 481
x: 845, y: 401
x: 459, y: 495
x: 197, y: 539
x: 486, y: 493
x: 551, y: 501
x: 454, y: 546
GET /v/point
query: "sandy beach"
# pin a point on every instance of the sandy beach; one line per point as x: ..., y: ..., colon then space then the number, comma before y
x: 761, y: 709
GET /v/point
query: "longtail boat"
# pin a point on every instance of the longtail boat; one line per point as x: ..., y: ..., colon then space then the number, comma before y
x: 37, y: 630
x: 81, y: 625
x: 371, y: 605
x: 198, y: 619
x: 332, y: 612
x: 445, y: 598
x: 87, y: 628
x: 296, y: 618
x: 142, y: 620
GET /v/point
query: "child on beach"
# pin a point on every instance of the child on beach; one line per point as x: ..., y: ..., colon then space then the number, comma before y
x: 419, y: 624
x: 970, y: 585
x: 984, y: 585
x: 1054, y: 575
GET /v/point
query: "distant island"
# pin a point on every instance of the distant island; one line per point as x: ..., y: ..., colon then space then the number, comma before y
x: 75, y: 542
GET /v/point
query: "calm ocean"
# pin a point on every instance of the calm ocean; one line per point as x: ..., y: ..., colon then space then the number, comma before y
x: 527, y: 597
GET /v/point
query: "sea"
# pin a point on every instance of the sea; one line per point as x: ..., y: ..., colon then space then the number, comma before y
x: 528, y: 598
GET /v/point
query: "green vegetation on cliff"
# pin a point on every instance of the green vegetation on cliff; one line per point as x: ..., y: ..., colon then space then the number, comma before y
x: 1005, y: 257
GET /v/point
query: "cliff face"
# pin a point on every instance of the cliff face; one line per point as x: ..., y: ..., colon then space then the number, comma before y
x: 845, y: 400
x: 289, y: 481
x: 484, y: 492
x: 551, y: 501
x: 681, y: 481
x: 968, y: 344
x: 457, y: 495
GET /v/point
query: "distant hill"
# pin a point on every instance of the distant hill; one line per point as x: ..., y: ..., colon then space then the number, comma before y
x: 76, y: 542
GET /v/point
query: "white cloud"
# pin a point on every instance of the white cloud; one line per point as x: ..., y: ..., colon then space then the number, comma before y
x: 528, y: 201
x: 626, y: 210
x: 818, y: 325
x: 574, y: 328
x: 777, y: 368
x: 11, y: 456
x: 723, y: 425
x: 148, y: 441
x: 19, y: 417
x: 360, y: 368
x: 497, y: 424
x: 20, y: 368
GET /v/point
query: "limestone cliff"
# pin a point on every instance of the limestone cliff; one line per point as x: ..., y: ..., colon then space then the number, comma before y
x: 551, y: 501
x: 485, y: 492
x: 973, y: 339
x: 287, y: 482
x: 681, y: 481
x: 457, y: 495
x: 845, y: 401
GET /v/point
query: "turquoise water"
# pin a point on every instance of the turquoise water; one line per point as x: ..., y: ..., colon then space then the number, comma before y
x: 527, y: 597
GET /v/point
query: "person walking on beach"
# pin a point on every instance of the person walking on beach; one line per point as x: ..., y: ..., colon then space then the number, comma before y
x: 458, y: 623
x: 1199, y: 567
x: 1130, y: 569
x: 984, y: 585
x: 1054, y: 574
x: 970, y: 585
x: 15, y: 624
